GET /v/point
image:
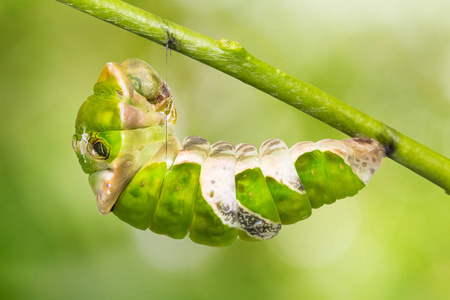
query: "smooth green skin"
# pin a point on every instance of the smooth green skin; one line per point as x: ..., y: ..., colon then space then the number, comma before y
x: 207, y: 228
x: 100, y: 112
x: 260, y: 201
x: 291, y: 205
x: 138, y: 201
x: 176, y: 204
x: 253, y: 193
x: 343, y: 181
x: 326, y: 177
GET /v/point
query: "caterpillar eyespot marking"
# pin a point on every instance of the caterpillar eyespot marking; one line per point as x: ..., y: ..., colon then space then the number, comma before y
x: 124, y: 139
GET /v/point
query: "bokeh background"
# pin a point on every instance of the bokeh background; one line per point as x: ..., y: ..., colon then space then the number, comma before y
x: 390, y: 59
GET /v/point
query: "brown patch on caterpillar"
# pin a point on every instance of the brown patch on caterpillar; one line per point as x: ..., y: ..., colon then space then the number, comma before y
x: 271, y: 143
x: 165, y: 91
x: 243, y: 151
x: 363, y: 141
x: 243, y: 146
x: 196, y: 140
x: 228, y: 214
x: 274, y: 143
x: 365, y: 156
x: 177, y: 188
x: 222, y: 146
x: 222, y: 149
x: 246, y: 158
x: 249, y: 149
x: 246, y: 148
x: 143, y: 183
x: 211, y: 194
x: 270, y: 147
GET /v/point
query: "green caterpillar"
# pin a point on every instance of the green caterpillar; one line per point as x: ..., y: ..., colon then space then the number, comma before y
x: 215, y: 193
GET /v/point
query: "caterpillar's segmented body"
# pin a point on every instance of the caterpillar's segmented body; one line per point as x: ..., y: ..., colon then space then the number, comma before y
x: 215, y: 193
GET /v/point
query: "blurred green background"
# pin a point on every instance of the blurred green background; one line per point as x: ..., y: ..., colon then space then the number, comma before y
x: 390, y: 59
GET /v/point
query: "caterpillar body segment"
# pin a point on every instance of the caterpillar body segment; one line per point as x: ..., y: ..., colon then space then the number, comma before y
x: 138, y: 201
x: 216, y: 193
x: 283, y: 182
x: 257, y: 213
x: 178, y: 196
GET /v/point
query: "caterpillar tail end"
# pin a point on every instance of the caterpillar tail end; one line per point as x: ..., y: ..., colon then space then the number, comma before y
x: 366, y: 158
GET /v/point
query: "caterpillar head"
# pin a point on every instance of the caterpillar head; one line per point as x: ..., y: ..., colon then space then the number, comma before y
x: 121, y: 127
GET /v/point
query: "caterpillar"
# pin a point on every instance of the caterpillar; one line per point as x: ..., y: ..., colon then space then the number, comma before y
x: 124, y: 139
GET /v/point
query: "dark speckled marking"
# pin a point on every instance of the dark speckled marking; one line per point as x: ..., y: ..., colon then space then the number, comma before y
x: 196, y: 143
x: 271, y: 143
x: 274, y: 143
x: 250, y: 148
x: 256, y: 226
x: 220, y: 147
x: 223, y: 146
x: 229, y: 215
x: 363, y: 141
x: 244, y: 147
x: 196, y: 140
x: 241, y: 151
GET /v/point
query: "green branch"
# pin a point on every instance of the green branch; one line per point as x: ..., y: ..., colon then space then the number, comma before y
x: 231, y: 58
